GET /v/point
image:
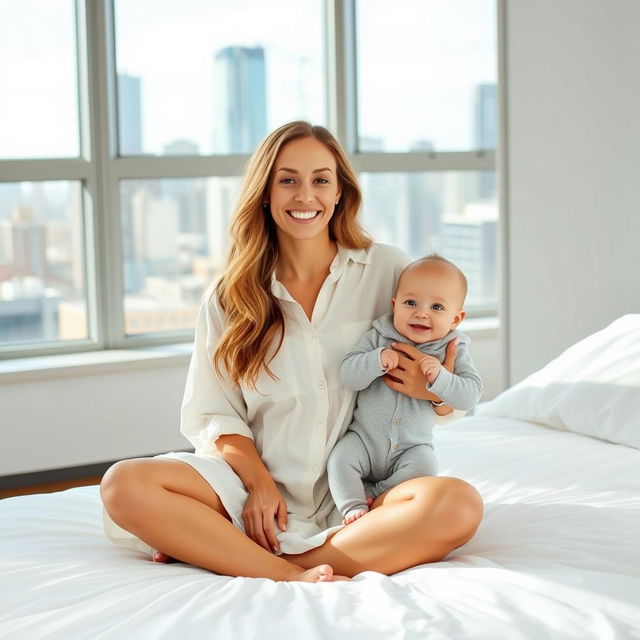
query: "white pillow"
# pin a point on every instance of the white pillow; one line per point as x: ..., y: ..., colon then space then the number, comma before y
x: 592, y: 388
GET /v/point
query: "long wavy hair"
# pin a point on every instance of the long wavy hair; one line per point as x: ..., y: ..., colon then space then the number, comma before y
x: 254, y: 328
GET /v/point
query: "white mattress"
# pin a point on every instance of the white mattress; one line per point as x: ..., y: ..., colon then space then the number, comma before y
x: 556, y: 557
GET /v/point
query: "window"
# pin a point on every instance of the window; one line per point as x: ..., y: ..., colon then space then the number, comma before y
x: 426, y: 133
x: 125, y: 125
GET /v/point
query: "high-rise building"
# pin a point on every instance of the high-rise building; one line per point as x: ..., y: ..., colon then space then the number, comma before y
x: 240, y: 99
x: 129, y: 115
x: 470, y: 241
x: 485, y: 124
x: 23, y: 243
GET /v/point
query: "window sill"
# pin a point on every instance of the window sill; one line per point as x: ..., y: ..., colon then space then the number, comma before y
x: 101, y: 362
x: 93, y: 363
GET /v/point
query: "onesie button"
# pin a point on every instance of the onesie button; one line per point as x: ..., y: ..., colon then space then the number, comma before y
x: 322, y: 385
x: 396, y: 422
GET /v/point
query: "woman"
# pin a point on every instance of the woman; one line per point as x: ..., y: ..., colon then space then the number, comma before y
x: 263, y: 404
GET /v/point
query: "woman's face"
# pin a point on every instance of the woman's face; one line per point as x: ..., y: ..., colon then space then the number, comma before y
x: 303, y: 189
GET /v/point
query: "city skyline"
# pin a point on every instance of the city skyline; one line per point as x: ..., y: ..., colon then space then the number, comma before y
x: 175, y: 231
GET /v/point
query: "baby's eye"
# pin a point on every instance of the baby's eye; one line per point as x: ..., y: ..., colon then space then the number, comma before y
x: 410, y: 303
x: 437, y: 307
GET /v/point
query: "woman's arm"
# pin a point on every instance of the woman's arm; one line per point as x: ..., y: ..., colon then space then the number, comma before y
x: 408, y: 378
x: 265, y: 500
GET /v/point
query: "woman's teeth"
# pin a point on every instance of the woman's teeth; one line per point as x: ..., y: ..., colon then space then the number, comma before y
x: 303, y: 215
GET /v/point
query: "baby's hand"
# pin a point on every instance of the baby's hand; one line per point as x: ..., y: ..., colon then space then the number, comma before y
x: 389, y: 359
x: 430, y: 366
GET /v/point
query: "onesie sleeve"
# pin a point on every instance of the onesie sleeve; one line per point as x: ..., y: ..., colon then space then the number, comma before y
x: 212, y: 406
x: 462, y: 388
x: 362, y: 365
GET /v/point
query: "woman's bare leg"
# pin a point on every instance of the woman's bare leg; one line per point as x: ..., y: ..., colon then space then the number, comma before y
x: 419, y: 521
x: 167, y: 504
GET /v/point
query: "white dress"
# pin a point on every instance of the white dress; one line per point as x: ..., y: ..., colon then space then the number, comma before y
x: 296, y: 420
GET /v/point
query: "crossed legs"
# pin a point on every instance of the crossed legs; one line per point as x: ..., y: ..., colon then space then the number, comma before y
x: 168, y: 505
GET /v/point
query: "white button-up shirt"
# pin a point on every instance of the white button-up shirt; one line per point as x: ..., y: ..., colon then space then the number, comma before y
x: 295, y: 420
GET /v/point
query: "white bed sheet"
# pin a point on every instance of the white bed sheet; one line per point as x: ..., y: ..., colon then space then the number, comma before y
x: 556, y: 556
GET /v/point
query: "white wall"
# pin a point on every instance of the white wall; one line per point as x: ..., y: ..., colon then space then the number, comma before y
x: 87, y: 419
x: 573, y: 172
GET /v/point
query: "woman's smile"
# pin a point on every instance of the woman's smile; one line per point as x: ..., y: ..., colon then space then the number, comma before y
x: 303, y: 215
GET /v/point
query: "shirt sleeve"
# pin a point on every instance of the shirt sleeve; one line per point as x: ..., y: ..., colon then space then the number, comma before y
x: 362, y: 365
x: 212, y: 405
x: 463, y: 388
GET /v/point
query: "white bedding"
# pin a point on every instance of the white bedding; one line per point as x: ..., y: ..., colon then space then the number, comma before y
x: 556, y: 556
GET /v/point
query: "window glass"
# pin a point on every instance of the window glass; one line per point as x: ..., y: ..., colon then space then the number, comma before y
x: 213, y: 77
x: 432, y: 86
x: 175, y: 235
x: 453, y: 213
x: 38, y: 79
x: 42, y: 292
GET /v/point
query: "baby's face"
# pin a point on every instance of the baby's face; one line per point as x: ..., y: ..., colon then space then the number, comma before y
x: 428, y: 303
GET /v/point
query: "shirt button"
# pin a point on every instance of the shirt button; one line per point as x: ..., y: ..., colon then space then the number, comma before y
x: 322, y: 385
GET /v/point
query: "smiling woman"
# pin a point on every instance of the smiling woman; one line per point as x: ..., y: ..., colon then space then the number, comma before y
x: 302, y: 200
x: 264, y: 404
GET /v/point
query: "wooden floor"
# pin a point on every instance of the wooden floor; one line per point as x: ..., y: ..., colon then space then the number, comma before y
x: 49, y: 487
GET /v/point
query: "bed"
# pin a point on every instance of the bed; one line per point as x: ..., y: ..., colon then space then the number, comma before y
x: 556, y: 555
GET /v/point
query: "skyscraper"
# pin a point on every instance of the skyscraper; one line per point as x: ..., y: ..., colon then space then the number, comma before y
x: 240, y: 100
x: 129, y: 115
x: 485, y: 123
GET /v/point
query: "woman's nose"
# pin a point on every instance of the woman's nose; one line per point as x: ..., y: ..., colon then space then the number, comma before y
x: 304, y: 193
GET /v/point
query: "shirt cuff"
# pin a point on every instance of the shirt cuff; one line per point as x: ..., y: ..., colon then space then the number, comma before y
x: 217, y: 426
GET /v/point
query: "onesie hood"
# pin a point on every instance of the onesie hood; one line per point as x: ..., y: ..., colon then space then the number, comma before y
x: 384, y: 326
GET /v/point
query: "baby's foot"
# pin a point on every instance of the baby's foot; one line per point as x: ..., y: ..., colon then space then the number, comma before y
x: 369, y: 501
x: 354, y: 514
x: 321, y: 573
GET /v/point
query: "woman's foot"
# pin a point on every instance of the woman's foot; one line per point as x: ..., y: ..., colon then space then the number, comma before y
x: 158, y: 556
x: 321, y: 573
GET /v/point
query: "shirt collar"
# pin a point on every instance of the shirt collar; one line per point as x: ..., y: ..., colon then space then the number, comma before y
x: 337, y: 266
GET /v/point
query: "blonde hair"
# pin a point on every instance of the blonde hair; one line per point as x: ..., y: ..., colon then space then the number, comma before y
x: 254, y: 319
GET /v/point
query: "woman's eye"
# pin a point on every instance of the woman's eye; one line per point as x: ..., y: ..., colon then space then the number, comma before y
x: 286, y: 181
x: 322, y: 181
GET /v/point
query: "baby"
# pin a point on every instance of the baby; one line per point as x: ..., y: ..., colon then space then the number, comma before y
x: 390, y: 438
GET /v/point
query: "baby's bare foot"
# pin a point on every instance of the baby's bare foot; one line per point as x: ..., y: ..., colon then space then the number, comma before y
x: 354, y: 515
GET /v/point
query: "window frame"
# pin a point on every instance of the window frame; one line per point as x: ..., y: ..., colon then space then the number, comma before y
x: 100, y: 170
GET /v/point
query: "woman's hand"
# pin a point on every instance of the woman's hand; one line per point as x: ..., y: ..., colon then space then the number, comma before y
x: 408, y: 377
x: 264, y: 504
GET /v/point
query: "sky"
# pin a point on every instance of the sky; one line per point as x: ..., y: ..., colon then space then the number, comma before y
x: 418, y: 86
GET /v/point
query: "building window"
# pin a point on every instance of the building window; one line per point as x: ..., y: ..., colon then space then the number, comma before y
x: 121, y: 152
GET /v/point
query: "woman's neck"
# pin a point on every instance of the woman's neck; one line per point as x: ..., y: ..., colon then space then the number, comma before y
x: 304, y: 260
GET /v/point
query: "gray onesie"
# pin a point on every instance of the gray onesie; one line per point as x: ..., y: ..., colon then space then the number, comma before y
x: 389, y: 439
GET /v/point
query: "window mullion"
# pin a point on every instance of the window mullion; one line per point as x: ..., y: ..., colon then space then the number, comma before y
x: 107, y: 236
x: 341, y: 71
x: 388, y: 162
